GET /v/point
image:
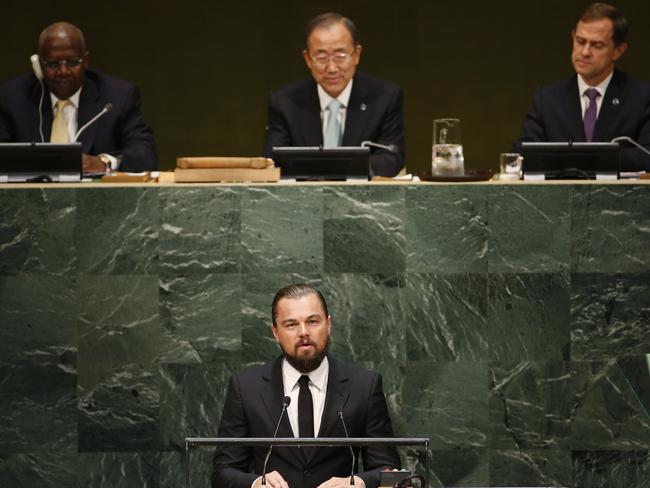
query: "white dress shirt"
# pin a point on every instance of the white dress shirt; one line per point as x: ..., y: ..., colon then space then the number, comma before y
x: 584, y: 99
x: 325, y: 99
x: 317, y: 386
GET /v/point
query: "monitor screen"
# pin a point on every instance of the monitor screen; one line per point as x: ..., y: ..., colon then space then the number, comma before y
x: 564, y: 160
x: 317, y: 163
x: 20, y: 162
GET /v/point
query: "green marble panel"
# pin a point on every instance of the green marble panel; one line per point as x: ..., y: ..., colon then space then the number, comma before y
x: 119, y: 470
x: 200, y: 232
x: 528, y: 316
x: 200, y: 316
x: 609, y: 315
x: 608, y: 413
x: 458, y: 467
x: 50, y: 468
x: 36, y: 232
x: 363, y: 229
x: 448, y: 402
x: 446, y: 229
x: 122, y: 412
x: 191, y: 399
x: 611, y: 469
x: 532, y: 467
x: 367, y: 317
x: 282, y: 230
x: 531, y: 404
x: 610, y: 229
x: 529, y: 229
x: 445, y: 317
x: 172, y: 468
x: 116, y: 230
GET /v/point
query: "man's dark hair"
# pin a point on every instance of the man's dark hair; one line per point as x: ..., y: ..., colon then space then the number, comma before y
x: 296, y: 291
x: 328, y: 19
x: 598, y: 11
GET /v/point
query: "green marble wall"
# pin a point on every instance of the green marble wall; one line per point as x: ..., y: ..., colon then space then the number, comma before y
x: 510, y: 323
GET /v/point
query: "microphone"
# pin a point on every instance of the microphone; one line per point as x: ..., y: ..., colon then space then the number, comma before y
x: 345, y: 429
x: 631, y: 141
x: 285, y: 404
x: 390, y: 147
x: 107, y: 108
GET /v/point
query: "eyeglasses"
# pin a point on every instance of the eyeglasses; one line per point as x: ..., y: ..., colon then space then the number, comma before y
x: 70, y: 63
x: 339, y: 58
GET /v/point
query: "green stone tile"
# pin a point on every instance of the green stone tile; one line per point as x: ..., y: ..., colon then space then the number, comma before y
x: 530, y: 467
x: 530, y: 405
x: 36, y: 232
x: 367, y: 316
x: 611, y: 469
x: 45, y: 469
x: 528, y: 316
x: 116, y: 230
x: 364, y: 229
x: 610, y: 229
x: 172, y: 468
x: 457, y: 467
x: 445, y: 317
x: 448, y: 402
x: 609, y: 315
x: 446, y: 229
x: 529, y: 228
x: 122, y: 412
x: 608, y: 414
x: 192, y: 398
x: 200, y: 231
x: 119, y: 470
x: 118, y: 324
x: 200, y: 316
x: 282, y: 230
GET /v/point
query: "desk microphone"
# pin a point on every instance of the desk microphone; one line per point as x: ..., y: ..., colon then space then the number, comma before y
x: 390, y: 148
x: 345, y: 429
x: 107, y: 108
x: 631, y: 141
x: 285, y: 404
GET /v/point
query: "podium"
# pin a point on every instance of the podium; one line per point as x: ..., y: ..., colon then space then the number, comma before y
x: 191, y: 442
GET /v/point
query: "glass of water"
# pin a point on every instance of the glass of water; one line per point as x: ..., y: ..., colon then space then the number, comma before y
x: 447, y: 151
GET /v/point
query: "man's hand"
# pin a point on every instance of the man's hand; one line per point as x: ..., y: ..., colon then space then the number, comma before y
x: 273, y: 480
x: 342, y: 483
x: 92, y: 164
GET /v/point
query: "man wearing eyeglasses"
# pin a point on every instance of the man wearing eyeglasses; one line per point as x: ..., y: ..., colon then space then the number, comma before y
x: 73, y: 96
x: 338, y: 106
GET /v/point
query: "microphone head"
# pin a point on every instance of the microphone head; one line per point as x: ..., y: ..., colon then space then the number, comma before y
x: 108, y: 107
x: 286, y: 401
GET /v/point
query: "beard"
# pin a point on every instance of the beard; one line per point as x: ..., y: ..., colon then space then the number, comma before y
x: 307, y: 364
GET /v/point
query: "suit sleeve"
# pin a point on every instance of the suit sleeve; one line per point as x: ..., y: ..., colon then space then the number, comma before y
x: 632, y: 158
x: 533, y: 129
x: 134, y: 138
x: 277, y: 128
x: 232, y: 465
x: 376, y: 459
x: 385, y: 163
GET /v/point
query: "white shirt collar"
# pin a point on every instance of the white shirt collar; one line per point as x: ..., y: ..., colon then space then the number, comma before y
x: 601, y: 87
x: 325, y: 98
x: 74, y: 99
x: 318, y: 377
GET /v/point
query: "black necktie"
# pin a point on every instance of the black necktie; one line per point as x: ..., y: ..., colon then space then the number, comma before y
x: 305, y: 408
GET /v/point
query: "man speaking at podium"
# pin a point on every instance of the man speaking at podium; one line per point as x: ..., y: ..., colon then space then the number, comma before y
x: 338, y: 107
x: 71, y: 95
x: 326, y: 396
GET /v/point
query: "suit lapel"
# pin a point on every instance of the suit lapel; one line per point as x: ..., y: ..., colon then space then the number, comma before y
x: 272, y: 396
x: 46, y: 111
x: 574, y: 109
x: 355, y: 115
x: 609, y: 109
x: 89, y: 106
x: 312, y: 124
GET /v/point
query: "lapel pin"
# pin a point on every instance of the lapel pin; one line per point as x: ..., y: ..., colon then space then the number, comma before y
x: 616, y: 101
x: 363, y: 107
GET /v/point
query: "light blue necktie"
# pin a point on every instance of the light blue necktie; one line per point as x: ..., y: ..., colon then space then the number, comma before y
x: 333, y: 128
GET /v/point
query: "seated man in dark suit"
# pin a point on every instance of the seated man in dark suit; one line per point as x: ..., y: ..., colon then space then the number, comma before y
x: 73, y: 95
x: 601, y: 102
x: 338, y: 107
x: 319, y: 387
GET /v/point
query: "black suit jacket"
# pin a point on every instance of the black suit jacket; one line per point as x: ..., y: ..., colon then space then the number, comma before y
x: 252, y: 409
x: 556, y: 116
x: 374, y: 113
x: 122, y: 132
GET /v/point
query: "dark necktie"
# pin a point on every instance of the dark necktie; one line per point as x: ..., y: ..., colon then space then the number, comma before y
x: 591, y: 114
x: 305, y: 408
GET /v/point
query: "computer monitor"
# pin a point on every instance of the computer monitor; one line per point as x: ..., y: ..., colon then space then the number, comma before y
x: 318, y: 163
x: 40, y: 162
x: 566, y: 160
